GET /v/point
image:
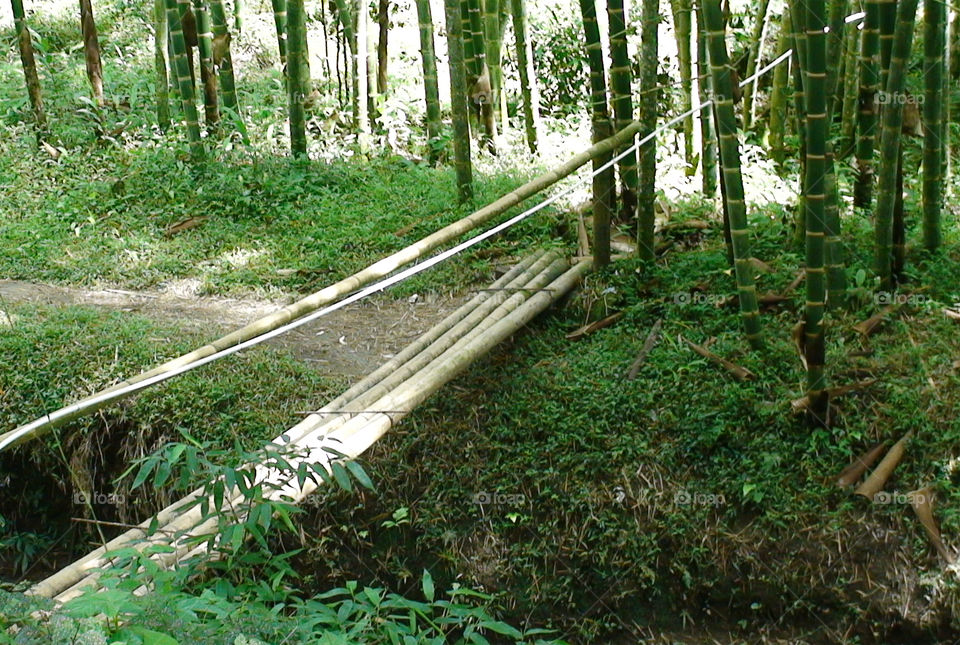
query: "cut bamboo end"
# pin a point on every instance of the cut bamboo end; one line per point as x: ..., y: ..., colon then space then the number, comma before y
x: 878, y: 478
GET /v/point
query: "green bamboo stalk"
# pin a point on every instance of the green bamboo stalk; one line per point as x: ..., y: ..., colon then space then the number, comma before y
x: 469, y: 53
x: 431, y: 86
x: 798, y: 63
x: 835, y: 39
x: 815, y: 197
x: 208, y: 76
x: 184, y: 78
x: 482, y: 109
x: 29, y: 63
x: 458, y: 98
x: 649, y: 85
x: 888, y: 25
x: 682, y: 29
x: 603, y: 182
x: 237, y: 19
x: 622, y: 101
x: 475, y: 17
x: 160, y: 64
x: 934, y: 22
x: 892, y: 120
x: 383, y: 48
x: 867, y: 105
x: 851, y: 78
x: 778, y: 96
x: 345, y: 14
x: 754, y: 55
x: 708, y: 140
x: 373, y: 95
x: 491, y: 37
x: 528, y: 77
x: 363, y: 78
x: 280, y: 21
x: 296, y: 89
x: 730, y: 167
x: 223, y: 57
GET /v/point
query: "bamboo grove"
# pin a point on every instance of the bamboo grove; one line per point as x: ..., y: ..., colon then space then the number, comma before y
x: 858, y: 82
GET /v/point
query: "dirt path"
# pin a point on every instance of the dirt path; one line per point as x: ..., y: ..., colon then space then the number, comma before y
x: 352, y: 341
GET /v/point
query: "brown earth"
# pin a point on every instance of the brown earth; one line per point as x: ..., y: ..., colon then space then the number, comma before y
x: 351, y: 342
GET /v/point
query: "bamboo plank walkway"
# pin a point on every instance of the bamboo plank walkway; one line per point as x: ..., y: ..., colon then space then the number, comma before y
x: 355, y: 420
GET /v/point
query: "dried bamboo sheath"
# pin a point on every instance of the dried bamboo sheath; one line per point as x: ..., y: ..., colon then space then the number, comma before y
x: 398, y: 386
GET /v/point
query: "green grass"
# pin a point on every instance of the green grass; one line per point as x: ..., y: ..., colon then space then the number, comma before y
x: 272, y: 224
x: 683, y: 491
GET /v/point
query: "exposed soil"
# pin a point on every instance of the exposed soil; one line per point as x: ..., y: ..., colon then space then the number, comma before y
x: 352, y: 341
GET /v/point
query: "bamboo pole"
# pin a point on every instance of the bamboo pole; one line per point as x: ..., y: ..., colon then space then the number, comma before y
x: 179, y: 516
x: 327, y: 295
x: 353, y: 437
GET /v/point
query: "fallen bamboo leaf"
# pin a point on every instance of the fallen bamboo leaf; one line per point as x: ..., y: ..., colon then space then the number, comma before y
x: 597, y: 325
x: 849, y: 475
x: 922, y: 502
x: 799, y: 405
x: 870, y: 325
x: 952, y: 313
x: 882, y: 472
x: 185, y: 225
x: 647, y: 346
x: 739, y: 373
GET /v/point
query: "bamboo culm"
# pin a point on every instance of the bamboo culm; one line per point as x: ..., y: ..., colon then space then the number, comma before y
x: 730, y: 167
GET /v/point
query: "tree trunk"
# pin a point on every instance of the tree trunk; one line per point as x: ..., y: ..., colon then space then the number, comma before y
x: 867, y: 105
x: 223, y: 58
x: 91, y: 50
x: 160, y: 64
x: 430, y: 84
x: 296, y: 90
x: 383, y: 49
x: 373, y: 102
x: 814, y: 200
x: 682, y: 29
x: 730, y: 167
x: 491, y: 37
x: 622, y: 101
x: 458, y: 97
x: 208, y: 76
x: 603, y: 182
x: 892, y: 120
x: 29, y: 66
x: 778, y: 95
x: 754, y: 55
x: 528, y: 77
x: 708, y: 140
x: 363, y: 78
x: 280, y: 21
x: 184, y: 77
x: 934, y: 21
x: 649, y: 86
x: 850, y: 92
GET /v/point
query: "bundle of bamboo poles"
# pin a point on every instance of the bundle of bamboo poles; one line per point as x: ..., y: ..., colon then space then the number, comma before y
x: 325, y: 296
x: 356, y: 419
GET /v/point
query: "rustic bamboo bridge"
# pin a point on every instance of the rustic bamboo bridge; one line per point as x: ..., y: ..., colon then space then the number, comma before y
x: 346, y: 426
x: 352, y: 422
